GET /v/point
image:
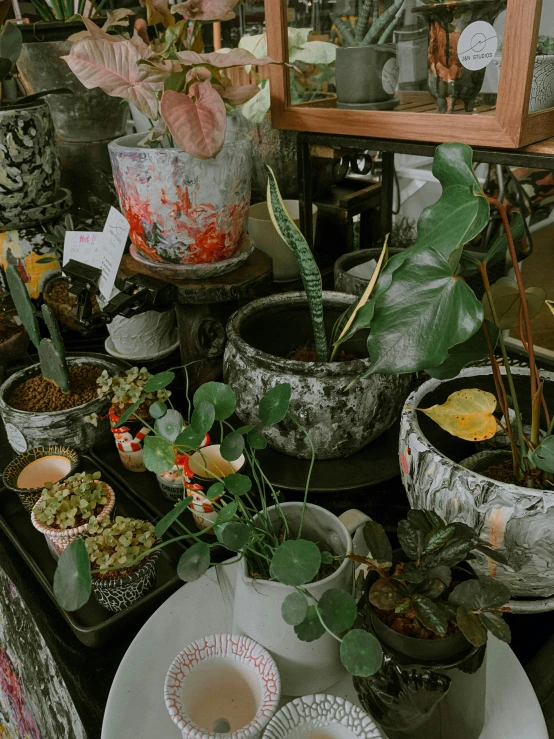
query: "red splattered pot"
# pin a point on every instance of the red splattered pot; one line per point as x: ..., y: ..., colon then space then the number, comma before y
x: 184, y: 210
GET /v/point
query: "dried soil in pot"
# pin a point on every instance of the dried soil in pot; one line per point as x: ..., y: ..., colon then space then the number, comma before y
x: 40, y: 395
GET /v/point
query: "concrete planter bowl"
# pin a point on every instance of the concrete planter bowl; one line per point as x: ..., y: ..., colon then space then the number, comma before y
x: 27, y: 430
x: 434, y: 468
x: 260, y: 338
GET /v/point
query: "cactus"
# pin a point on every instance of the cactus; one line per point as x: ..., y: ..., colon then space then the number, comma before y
x: 51, y: 351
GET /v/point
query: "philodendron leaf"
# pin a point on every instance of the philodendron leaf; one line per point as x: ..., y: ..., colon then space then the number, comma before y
x: 507, y: 302
x: 378, y: 544
x: 157, y: 409
x: 72, y: 578
x: 474, y: 349
x: 471, y: 627
x: 294, y: 608
x: 386, y: 592
x: 467, y: 414
x: 311, y: 276
x: 232, y: 446
x: 158, y: 454
x: 169, y: 518
x: 159, y: 381
x: 221, y: 396
x: 338, y: 610
x: 431, y: 615
x: 295, y: 562
x: 361, y: 653
x: 203, y: 416
x: 543, y: 456
x: 275, y: 404
x: 311, y: 627
x: 425, y: 311
x: 194, y: 562
x: 238, y: 484
x: 470, y: 260
x: 170, y: 425
x: 497, y: 626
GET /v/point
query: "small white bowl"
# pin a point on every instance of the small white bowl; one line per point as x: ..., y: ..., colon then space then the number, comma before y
x: 325, y: 716
x: 222, y: 684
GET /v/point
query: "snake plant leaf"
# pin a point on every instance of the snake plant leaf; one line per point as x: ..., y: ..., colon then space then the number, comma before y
x: 170, y: 517
x: 425, y: 311
x: 543, y: 456
x: 72, y: 578
x: 23, y: 304
x: 473, y: 350
x: 53, y: 328
x: 507, y: 302
x: 380, y: 25
x: 467, y: 414
x: 53, y: 366
x: 311, y: 276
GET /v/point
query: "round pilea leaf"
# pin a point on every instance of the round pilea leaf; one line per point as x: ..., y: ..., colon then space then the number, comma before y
x: 215, y: 491
x: 338, y: 610
x: 169, y: 425
x: 158, y: 409
x: 159, y: 381
x: 194, y: 562
x: 72, y: 578
x: 234, y: 535
x: 238, y: 484
x: 361, y: 653
x: 275, y: 404
x: 232, y: 446
x: 295, y: 562
x: 256, y: 440
x: 203, y: 417
x: 294, y: 608
x: 221, y: 396
x: 311, y: 627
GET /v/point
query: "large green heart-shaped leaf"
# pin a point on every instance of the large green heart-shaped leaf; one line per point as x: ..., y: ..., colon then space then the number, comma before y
x: 507, y: 302
x: 72, y: 578
x: 470, y: 260
x: 425, y: 311
x: 474, y: 349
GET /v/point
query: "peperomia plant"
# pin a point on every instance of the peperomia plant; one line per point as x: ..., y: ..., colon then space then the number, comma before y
x: 371, y: 27
x: 187, y: 94
x: 118, y: 542
x: 71, y: 502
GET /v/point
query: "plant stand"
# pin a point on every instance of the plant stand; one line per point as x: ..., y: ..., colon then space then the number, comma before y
x: 204, y: 306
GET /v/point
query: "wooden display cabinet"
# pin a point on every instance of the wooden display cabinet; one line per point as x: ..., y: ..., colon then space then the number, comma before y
x: 505, y: 122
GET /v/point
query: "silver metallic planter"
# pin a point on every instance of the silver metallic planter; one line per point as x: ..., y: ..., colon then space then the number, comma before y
x: 261, y: 336
x: 27, y: 430
x: 519, y: 520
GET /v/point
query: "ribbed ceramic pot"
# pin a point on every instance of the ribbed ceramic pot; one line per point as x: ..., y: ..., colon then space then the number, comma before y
x: 117, y: 594
x: 181, y: 209
x: 29, y: 159
x: 516, y: 519
x: 27, y: 430
x: 449, y: 80
x: 353, y: 284
x: 261, y: 336
x: 62, y: 538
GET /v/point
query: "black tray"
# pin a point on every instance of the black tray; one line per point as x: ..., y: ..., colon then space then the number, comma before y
x: 92, y: 624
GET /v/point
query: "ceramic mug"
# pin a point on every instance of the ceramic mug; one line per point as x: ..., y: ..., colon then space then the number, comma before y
x: 206, y: 466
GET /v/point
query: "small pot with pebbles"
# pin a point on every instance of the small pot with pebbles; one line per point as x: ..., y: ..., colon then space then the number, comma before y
x: 65, y: 508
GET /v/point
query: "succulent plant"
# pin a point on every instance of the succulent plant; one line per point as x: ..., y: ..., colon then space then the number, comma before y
x: 118, y: 543
x: 126, y: 390
x: 545, y: 46
x: 71, y: 502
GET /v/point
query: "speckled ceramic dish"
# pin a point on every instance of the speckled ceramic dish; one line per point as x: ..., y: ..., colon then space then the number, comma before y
x: 28, y: 466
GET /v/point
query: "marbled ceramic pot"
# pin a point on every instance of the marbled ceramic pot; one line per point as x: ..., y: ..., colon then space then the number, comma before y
x: 181, y: 209
x: 448, y: 80
x: 27, y: 430
x: 29, y: 162
x: 118, y: 594
x: 347, y: 283
x: 516, y: 519
x: 261, y: 336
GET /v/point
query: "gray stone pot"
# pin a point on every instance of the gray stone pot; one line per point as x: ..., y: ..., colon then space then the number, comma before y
x: 29, y: 160
x: 26, y: 430
x: 346, y: 283
x: 519, y: 520
x: 260, y: 337
x: 366, y: 74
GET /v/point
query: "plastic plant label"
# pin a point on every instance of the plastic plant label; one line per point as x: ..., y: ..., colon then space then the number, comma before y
x: 391, y: 73
x: 477, y: 45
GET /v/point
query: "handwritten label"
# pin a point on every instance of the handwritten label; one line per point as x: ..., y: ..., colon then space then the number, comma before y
x: 477, y: 45
x: 84, y: 247
x: 114, y: 238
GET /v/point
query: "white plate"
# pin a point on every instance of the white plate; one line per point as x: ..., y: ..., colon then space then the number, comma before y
x: 110, y: 348
x: 136, y: 705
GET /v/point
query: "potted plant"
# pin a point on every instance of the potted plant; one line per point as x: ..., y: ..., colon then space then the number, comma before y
x: 47, y: 402
x: 366, y: 69
x: 65, y: 508
x: 275, y: 147
x: 423, y: 315
x: 432, y: 617
x: 196, y: 137
x: 112, y: 547
x: 276, y: 339
x: 449, y: 80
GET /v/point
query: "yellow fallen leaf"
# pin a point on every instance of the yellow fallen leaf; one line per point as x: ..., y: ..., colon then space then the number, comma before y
x: 467, y: 414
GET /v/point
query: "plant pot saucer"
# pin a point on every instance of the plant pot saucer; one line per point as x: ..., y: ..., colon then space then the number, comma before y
x: 151, y: 357
x: 13, y: 219
x: 196, y: 271
x: 385, y: 105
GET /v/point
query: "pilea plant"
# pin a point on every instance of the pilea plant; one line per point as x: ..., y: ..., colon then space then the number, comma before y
x: 71, y: 502
x: 119, y: 542
x: 51, y: 351
x: 371, y: 27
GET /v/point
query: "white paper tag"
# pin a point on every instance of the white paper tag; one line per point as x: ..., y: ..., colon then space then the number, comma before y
x: 390, y: 75
x: 477, y: 45
x: 114, y: 239
x: 83, y: 246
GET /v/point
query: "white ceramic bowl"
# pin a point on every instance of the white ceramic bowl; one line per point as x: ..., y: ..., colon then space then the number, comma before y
x: 222, y: 684
x: 322, y: 716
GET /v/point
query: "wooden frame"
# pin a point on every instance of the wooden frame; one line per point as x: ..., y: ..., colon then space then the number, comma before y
x: 509, y: 125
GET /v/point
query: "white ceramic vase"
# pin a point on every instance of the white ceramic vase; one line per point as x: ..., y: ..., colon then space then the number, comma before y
x: 146, y: 334
x: 305, y: 667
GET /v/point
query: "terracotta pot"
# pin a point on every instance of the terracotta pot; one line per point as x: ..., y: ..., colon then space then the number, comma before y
x: 516, y: 519
x: 449, y: 81
x: 117, y: 594
x: 261, y: 336
x: 62, y: 538
x: 184, y: 210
